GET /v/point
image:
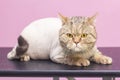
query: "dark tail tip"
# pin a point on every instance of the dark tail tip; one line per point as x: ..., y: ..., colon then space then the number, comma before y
x: 22, y: 46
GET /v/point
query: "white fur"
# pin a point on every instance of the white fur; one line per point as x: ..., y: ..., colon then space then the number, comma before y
x: 43, y: 39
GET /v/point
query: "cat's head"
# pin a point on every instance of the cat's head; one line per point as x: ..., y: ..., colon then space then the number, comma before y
x: 78, y: 33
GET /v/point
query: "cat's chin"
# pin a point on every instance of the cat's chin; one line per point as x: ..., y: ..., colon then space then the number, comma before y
x: 76, y: 50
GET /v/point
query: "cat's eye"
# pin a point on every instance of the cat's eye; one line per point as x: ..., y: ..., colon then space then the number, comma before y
x: 84, y: 35
x: 69, y: 35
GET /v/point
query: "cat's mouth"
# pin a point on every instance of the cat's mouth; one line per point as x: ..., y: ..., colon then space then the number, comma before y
x: 75, y: 48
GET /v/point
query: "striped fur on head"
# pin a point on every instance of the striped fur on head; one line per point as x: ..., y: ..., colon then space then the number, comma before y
x: 78, y: 33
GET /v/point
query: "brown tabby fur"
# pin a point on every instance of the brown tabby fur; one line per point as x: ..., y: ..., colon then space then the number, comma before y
x: 78, y: 37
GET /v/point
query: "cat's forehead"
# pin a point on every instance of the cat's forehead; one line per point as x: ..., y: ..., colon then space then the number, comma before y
x: 78, y: 19
x: 80, y: 25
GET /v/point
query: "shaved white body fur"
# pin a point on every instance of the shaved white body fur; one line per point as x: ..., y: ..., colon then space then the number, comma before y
x: 42, y: 37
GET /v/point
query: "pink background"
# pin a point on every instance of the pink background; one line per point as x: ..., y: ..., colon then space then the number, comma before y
x: 16, y: 14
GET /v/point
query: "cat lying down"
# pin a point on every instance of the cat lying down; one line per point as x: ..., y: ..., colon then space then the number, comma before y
x: 65, y: 40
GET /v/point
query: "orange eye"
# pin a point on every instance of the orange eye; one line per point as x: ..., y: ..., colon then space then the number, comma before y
x: 69, y: 35
x: 84, y: 35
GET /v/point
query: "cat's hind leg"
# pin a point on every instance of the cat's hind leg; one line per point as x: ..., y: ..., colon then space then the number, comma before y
x: 25, y: 57
x: 19, y: 51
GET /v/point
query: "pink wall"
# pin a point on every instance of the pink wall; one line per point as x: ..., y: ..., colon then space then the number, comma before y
x: 16, y: 14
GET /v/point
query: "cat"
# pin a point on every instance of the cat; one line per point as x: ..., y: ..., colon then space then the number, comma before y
x: 65, y: 40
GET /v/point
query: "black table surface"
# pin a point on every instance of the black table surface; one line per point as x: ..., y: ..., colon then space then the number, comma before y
x: 47, y: 68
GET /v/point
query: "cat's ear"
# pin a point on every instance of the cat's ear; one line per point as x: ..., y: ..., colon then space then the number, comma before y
x: 63, y: 18
x: 92, y: 19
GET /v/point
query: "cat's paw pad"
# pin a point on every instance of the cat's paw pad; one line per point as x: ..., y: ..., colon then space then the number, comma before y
x: 82, y: 62
x: 24, y: 58
x: 105, y: 60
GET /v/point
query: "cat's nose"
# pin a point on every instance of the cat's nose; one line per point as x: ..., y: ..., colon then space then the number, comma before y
x: 76, y: 43
x: 76, y: 40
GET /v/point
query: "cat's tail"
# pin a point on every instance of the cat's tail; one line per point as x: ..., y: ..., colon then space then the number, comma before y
x: 18, y: 50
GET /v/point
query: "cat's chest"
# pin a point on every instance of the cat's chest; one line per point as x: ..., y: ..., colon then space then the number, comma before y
x: 85, y: 55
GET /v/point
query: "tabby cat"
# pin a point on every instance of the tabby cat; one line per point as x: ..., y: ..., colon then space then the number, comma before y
x: 65, y: 40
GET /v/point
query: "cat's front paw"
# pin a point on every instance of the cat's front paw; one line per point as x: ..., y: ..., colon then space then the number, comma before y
x: 103, y: 60
x: 82, y: 62
x: 25, y: 58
